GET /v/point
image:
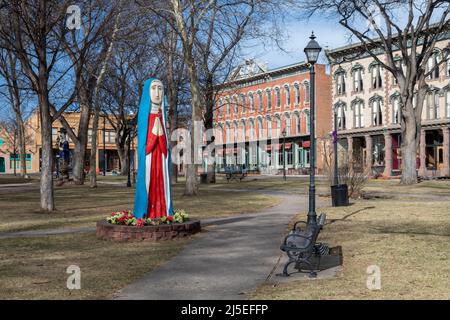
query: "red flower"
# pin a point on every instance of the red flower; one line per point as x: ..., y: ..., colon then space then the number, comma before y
x: 170, y: 218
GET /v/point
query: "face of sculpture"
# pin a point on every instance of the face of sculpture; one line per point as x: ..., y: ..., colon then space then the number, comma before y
x: 156, y: 91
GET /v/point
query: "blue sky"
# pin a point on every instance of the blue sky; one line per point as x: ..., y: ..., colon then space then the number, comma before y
x: 328, y: 32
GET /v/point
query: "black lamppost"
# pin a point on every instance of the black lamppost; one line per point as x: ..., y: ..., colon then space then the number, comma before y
x: 312, y: 52
x: 104, y: 146
x: 335, y: 150
x: 284, y: 153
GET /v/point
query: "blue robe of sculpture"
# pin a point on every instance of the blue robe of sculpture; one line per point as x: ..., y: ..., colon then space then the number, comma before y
x: 144, y: 161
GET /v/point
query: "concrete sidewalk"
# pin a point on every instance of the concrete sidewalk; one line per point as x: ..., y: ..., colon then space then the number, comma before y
x: 231, y: 257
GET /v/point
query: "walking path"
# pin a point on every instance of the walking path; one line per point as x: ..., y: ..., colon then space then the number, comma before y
x: 232, y: 257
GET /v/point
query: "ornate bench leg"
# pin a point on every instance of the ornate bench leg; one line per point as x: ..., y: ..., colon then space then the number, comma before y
x: 285, y: 272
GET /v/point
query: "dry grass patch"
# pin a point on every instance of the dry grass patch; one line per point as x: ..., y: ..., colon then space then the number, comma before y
x: 35, y: 268
x: 82, y: 206
x: 409, y: 241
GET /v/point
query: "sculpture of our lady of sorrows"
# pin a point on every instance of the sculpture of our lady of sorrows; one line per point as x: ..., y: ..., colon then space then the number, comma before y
x: 153, y: 194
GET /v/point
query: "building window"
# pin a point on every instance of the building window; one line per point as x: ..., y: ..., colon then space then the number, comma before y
x: 219, y: 134
x: 277, y: 97
x: 227, y: 101
x: 287, y: 93
x: 340, y: 116
x: 228, y: 129
x: 399, y: 64
x: 447, y: 68
x: 297, y: 124
x: 377, y: 80
x: 252, y: 102
x: 447, y: 102
x: 110, y: 136
x: 432, y: 105
x: 396, y: 110
x: 89, y: 135
x: 219, y: 108
x: 287, y: 120
x: 269, y: 128
x: 14, y: 161
x: 377, y: 114
x: 289, y: 157
x: 308, y: 127
x: 358, y: 121
x: 236, y: 132
x: 307, y: 92
x: 260, y: 101
x: 297, y: 94
x: 433, y: 65
x: 340, y: 82
x: 357, y: 80
x: 244, y: 133
x: 278, y: 127
x: 269, y: 99
x: 260, y: 129
x: 243, y: 103
x: 235, y: 106
x: 252, y: 130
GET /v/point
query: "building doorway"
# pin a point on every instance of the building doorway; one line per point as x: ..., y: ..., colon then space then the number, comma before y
x: 2, y: 165
x: 434, y: 152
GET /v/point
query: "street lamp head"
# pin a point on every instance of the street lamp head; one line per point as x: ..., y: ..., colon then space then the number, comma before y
x: 312, y: 50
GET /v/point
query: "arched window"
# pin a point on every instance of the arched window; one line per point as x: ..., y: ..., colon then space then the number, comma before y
x: 287, y: 119
x: 252, y: 130
x: 447, y: 102
x: 395, y: 102
x: 287, y: 95
x: 278, y: 122
x: 252, y: 102
x: 358, y: 84
x: 340, y: 116
x: 269, y: 99
x: 447, y: 68
x: 269, y: 128
x: 218, y: 134
x: 297, y: 123
x: 260, y: 129
x: 376, y: 75
x: 260, y: 101
x: 228, y: 132
x: 433, y: 65
x: 297, y: 93
x: 242, y: 130
x: 227, y: 101
x: 308, y: 126
x: 339, y: 79
x: 433, y: 104
x: 377, y: 111
x: 307, y: 92
x: 277, y: 97
x: 236, y: 131
x: 219, y: 107
x: 358, y: 120
x: 235, y: 105
x: 243, y: 103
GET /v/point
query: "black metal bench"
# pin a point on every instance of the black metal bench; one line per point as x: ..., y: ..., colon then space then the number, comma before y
x: 232, y: 173
x: 300, y: 246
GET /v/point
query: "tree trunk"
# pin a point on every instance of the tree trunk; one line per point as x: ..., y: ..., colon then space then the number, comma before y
x: 409, y: 152
x: 124, y: 160
x: 94, y: 146
x: 22, y: 146
x: 81, y: 143
x: 46, y: 183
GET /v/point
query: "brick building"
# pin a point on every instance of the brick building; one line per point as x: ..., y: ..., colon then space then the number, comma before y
x: 367, y: 107
x: 8, y: 159
x: 256, y: 105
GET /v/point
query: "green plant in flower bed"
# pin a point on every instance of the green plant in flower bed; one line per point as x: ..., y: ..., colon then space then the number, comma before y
x: 127, y: 218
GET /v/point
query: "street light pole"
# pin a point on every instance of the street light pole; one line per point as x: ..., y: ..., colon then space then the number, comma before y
x: 104, y: 146
x: 312, y: 52
x: 335, y: 150
x: 284, y: 154
x: 129, y: 159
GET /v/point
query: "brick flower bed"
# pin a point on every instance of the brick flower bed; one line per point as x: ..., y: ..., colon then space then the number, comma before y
x: 108, y: 231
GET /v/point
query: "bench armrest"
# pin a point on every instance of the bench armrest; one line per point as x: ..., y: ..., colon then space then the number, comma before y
x: 295, y: 224
x: 299, y: 236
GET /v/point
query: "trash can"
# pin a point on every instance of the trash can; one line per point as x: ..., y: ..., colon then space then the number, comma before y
x: 339, y: 195
x: 203, y: 178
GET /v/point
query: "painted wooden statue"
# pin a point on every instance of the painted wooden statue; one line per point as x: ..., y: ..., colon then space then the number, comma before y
x: 153, y: 195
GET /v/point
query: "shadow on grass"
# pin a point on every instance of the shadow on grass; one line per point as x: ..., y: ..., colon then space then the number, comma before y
x: 331, y: 221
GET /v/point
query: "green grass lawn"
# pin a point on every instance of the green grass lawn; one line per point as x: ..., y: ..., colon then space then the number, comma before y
x: 408, y: 240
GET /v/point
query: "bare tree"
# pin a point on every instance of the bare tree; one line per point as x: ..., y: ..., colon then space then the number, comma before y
x: 15, y: 87
x: 28, y: 29
x: 414, y: 40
